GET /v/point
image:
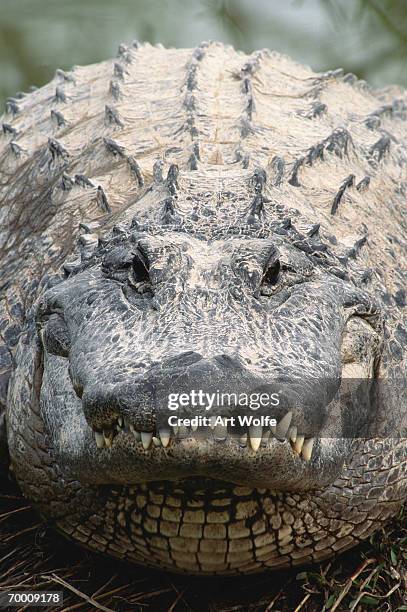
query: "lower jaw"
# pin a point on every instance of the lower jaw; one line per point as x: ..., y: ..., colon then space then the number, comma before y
x: 274, y: 466
x: 203, y: 526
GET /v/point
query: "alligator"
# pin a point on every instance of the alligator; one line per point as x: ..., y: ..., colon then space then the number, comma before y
x: 177, y: 221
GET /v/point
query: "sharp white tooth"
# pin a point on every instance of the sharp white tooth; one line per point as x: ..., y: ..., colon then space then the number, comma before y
x: 220, y: 432
x: 120, y: 421
x: 135, y: 433
x: 156, y: 441
x: 243, y: 440
x: 292, y: 434
x: 307, y: 448
x: 194, y: 427
x: 100, y: 441
x: 146, y: 437
x: 107, y: 439
x: 165, y: 436
x: 118, y: 428
x: 255, y: 433
x: 283, y: 425
x: 298, y: 444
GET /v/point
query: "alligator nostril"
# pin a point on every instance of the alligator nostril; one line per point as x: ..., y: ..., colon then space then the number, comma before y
x: 183, y: 359
x: 228, y: 361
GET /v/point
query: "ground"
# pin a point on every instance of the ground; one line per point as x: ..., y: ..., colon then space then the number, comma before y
x: 34, y: 557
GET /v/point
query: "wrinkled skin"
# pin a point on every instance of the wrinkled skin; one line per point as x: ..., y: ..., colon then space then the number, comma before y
x: 125, y: 348
x: 195, y: 286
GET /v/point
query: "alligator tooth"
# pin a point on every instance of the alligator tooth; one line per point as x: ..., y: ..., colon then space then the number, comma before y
x: 100, y: 441
x: 135, y: 433
x: 283, y: 425
x: 255, y: 433
x: 156, y: 441
x: 243, y: 440
x: 194, y: 427
x: 298, y: 444
x: 165, y: 436
x: 292, y: 434
x: 120, y: 421
x: 146, y: 437
x: 107, y: 438
x: 118, y: 428
x: 307, y: 448
x: 220, y: 432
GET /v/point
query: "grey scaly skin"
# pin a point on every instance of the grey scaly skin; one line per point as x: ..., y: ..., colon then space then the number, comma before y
x: 172, y: 219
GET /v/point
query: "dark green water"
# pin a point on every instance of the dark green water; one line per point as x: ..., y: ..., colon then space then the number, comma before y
x: 367, y: 37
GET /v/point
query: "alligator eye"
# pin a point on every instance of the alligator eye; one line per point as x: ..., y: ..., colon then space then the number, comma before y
x: 140, y: 268
x: 272, y: 273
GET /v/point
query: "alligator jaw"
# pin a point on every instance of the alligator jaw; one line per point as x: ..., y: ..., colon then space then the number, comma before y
x: 253, y: 438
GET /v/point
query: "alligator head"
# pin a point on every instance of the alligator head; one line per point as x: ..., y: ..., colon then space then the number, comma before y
x: 157, y: 314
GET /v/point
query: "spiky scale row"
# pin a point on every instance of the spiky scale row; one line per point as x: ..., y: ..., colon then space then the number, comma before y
x: 380, y: 148
x: 119, y: 150
x: 253, y: 63
x: 67, y: 182
x: 57, y: 150
x: 396, y: 108
x: 277, y: 166
x: 112, y: 116
x: 317, y: 109
x: 195, y: 157
x: 57, y: 118
x: 12, y: 106
x: 363, y: 184
x: 114, y: 89
x: 337, y: 143
x: 257, y: 211
x: 9, y: 129
x: 169, y: 214
x: 102, y: 201
x: 191, y: 84
x: 16, y: 149
x: 348, y: 182
x: 60, y: 95
x: 83, y: 181
x: 172, y: 179
x: 65, y: 76
x: 114, y: 147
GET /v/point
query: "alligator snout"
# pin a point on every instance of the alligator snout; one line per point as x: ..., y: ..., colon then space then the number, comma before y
x: 186, y: 382
x: 188, y: 385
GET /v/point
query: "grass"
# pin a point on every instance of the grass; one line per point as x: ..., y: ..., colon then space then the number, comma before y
x: 33, y: 557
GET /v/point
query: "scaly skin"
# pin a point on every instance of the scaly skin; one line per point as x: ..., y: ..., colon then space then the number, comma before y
x: 241, y: 229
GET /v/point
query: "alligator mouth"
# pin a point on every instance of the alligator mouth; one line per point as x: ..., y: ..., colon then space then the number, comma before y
x: 252, y: 437
x: 263, y: 434
x: 288, y: 454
